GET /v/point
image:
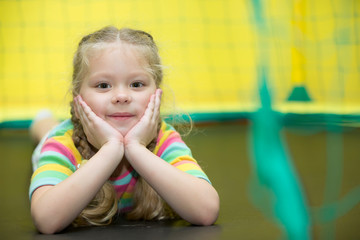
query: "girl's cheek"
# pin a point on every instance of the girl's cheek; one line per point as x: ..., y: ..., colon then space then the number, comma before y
x: 97, y: 111
x: 91, y: 104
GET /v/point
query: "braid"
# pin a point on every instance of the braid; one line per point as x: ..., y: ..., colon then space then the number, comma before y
x: 79, y: 137
x: 101, y: 210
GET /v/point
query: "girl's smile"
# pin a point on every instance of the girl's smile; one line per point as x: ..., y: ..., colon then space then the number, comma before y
x: 117, y: 87
x: 120, y: 116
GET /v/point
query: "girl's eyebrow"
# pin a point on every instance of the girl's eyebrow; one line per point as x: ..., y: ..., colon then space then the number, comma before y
x: 101, y: 74
x: 104, y: 74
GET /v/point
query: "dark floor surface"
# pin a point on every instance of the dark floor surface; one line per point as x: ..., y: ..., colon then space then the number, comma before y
x: 222, y: 150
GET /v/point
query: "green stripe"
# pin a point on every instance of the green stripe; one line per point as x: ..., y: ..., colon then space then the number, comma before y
x: 52, y: 157
x: 169, y: 155
x: 49, y: 174
x: 126, y: 202
x: 198, y: 173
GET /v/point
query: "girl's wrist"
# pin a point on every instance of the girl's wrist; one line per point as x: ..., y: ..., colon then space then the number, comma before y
x: 116, y: 148
x: 132, y: 148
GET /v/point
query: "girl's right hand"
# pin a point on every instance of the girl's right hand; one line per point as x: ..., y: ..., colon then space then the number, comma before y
x: 146, y: 129
x: 97, y: 130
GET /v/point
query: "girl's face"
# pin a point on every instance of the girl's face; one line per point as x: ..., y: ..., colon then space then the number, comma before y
x: 117, y: 87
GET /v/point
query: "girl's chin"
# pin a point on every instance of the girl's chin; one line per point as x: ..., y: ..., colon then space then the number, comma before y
x: 123, y: 129
x: 123, y: 132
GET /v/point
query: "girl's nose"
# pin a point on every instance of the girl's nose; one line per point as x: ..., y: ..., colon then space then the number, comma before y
x: 121, y: 97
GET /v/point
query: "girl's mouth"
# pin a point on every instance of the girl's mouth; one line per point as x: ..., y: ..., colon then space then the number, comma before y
x: 121, y: 116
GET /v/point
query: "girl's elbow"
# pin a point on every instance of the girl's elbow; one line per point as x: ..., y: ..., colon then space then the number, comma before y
x: 48, y: 227
x: 46, y: 224
x: 207, y: 220
x: 211, y: 216
x: 209, y: 213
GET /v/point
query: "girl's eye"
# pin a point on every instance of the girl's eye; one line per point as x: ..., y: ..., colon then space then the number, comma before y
x: 103, y: 85
x: 136, y: 85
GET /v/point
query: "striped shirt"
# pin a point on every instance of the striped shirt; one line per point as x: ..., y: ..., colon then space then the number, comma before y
x: 58, y: 158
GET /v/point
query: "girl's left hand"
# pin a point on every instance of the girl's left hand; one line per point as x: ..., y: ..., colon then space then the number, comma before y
x: 146, y: 129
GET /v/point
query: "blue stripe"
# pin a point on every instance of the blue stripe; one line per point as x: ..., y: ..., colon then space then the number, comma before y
x: 124, y: 180
x: 42, y: 182
x: 177, y: 149
x: 61, y: 129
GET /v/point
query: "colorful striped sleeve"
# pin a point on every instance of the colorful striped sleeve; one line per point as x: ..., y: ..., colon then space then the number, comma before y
x: 171, y: 148
x: 57, y: 160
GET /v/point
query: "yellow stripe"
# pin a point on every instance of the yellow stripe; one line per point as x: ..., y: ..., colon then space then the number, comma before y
x: 66, y: 140
x: 166, y: 134
x: 182, y: 158
x: 52, y: 167
x: 188, y: 166
x: 126, y: 195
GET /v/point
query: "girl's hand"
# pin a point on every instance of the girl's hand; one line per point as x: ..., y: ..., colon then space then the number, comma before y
x: 97, y: 130
x: 146, y: 129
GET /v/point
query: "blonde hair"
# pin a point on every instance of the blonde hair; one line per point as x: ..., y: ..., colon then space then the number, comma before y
x: 148, y: 204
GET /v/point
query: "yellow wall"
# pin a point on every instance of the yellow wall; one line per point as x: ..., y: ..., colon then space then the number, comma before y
x: 211, y: 50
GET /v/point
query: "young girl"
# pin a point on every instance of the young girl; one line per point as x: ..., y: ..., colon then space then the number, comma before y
x: 115, y: 154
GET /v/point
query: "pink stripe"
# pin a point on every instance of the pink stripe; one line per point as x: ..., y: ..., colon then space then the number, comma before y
x: 161, y: 134
x: 126, y: 209
x: 119, y: 194
x: 132, y: 182
x: 120, y: 188
x: 167, y: 143
x: 53, y: 145
x: 184, y: 162
x: 130, y: 188
x: 122, y: 175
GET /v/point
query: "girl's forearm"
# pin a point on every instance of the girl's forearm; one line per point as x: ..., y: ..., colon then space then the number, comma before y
x: 194, y: 199
x: 54, y: 207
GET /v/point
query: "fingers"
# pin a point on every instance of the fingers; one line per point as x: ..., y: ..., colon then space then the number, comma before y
x: 152, y: 112
x: 85, y: 116
x: 84, y: 111
x: 150, y: 108
x: 146, y: 129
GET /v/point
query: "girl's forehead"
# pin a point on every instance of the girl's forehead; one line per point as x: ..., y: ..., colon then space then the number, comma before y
x: 124, y: 48
x: 135, y: 53
x: 128, y: 50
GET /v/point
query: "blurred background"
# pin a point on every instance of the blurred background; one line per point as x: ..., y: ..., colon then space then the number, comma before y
x: 211, y: 50
x: 217, y: 55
